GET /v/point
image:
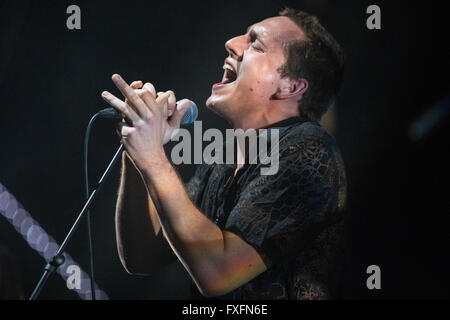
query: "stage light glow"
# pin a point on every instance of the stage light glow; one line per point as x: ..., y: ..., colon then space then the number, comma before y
x: 38, y: 239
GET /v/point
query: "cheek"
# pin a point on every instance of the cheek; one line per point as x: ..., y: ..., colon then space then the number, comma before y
x: 260, y: 75
x: 261, y: 80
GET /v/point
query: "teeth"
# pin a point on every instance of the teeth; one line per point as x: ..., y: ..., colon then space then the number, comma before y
x: 227, y: 66
x: 225, y: 77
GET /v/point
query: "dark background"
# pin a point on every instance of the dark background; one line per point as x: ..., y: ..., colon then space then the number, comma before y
x: 50, y: 84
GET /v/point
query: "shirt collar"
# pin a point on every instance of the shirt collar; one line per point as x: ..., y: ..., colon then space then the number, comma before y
x: 288, y: 122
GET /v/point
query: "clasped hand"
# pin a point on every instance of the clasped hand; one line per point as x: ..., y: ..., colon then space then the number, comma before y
x: 147, y: 126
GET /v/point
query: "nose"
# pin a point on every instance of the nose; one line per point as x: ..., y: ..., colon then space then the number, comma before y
x: 236, y: 47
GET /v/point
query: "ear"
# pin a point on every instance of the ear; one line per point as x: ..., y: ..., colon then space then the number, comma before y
x: 291, y: 89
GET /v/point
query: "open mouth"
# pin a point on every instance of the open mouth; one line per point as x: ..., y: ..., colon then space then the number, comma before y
x: 229, y: 74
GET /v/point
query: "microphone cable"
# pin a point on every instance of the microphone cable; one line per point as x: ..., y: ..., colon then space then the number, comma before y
x: 88, y: 215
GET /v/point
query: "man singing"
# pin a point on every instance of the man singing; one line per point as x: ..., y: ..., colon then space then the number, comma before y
x: 238, y: 233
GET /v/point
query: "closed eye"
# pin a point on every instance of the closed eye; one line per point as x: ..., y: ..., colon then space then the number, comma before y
x: 253, y: 38
x: 256, y: 47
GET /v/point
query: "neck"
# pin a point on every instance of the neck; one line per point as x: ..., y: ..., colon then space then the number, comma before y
x: 264, y: 117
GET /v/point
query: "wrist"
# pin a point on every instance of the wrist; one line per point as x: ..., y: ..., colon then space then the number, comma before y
x: 157, y: 166
x: 162, y: 179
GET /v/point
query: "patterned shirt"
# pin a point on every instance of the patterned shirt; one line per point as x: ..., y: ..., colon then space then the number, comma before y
x: 293, y: 219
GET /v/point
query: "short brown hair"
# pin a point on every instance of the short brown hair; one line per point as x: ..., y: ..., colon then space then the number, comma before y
x: 318, y: 59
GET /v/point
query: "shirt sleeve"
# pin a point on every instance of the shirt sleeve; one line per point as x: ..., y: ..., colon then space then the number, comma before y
x: 279, y: 214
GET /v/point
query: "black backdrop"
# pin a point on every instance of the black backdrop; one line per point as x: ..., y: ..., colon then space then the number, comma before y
x: 50, y: 84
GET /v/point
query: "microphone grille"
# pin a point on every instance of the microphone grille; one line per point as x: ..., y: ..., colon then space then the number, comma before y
x: 191, y: 114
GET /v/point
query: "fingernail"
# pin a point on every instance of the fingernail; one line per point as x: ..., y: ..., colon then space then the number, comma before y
x: 105, y: 94
x: 116, y: 77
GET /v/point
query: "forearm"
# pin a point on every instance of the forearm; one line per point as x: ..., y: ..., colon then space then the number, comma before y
x: 196, y: 240
x: 139, y: 240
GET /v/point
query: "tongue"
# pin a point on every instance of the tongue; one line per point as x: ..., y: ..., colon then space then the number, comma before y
x: 228, y: 80
x: 229, y: 77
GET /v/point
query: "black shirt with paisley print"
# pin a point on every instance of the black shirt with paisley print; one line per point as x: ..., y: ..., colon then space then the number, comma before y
x: 294, y: 218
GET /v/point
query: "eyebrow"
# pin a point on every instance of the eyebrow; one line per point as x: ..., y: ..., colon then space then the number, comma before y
x: 252, y: 32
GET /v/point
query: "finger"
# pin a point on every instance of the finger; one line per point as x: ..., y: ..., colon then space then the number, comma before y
x: 139, y: 92
x: 171, y: 103
x: 151, y: 88
x: 126, y: 130
x: 125, y: 133
x: 180, y: 110
x: 136, y: 84
x: 132, y: 97
x: 162, y: 103
x: 120, y: 106
x: 147, y: 96
x: 119, y: 129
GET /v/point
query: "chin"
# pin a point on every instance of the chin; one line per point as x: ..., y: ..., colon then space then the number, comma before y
x: 213, y: 102
x: 209, y: 103
x: 217, y: 106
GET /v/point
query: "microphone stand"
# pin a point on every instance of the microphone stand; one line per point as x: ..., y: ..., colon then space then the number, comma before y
x: 58, y: 258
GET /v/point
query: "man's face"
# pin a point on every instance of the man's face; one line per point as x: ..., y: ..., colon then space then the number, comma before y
x: 251, y: 76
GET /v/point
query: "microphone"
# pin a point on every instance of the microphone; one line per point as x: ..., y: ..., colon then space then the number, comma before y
x: 189, y: 116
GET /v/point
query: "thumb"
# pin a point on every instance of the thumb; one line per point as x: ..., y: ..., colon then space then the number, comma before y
x: 180, y: 110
